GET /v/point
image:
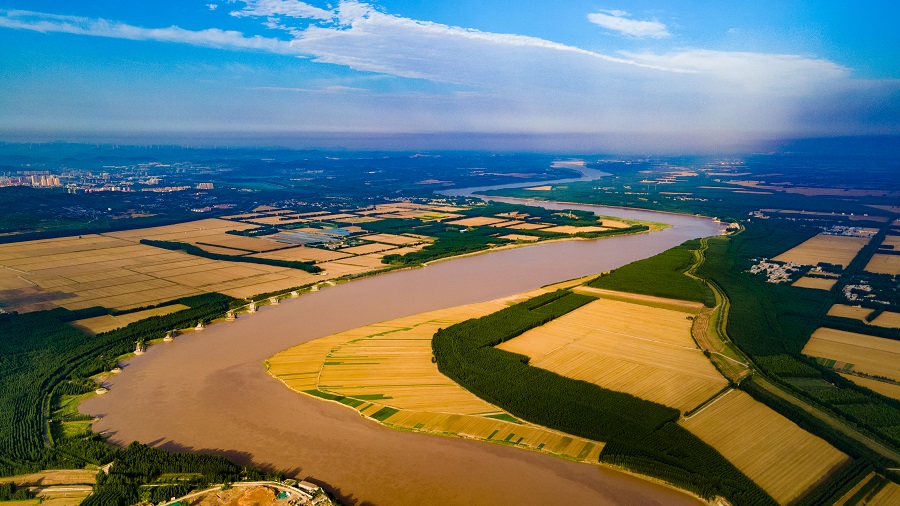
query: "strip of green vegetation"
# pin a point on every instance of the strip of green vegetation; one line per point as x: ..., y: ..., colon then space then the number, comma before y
x: 661, y: 276
x: 42, y: 358
x: 505, y: 417
x: 190, y: 249
x: 384, y: 413
x: 9, y: 492
x: 640, y: 435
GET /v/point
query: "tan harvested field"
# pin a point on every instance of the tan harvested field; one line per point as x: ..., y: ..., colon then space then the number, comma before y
x: 303, y: 254
x: 832, y: 249
x: 397, y: 240
x: 815, y: 283
x: 279, y: 220
x: 519, y: 237
x: 884, y: 264
x: 845, y: 311
x: 242, y: 243
x: 644, y: 300
x: 779, y: 456
x: 115, y: 271
x: 882, y: 387
x: 888, y: 496
x: 888, y: 319
x: 645, y: 351
x: 400, y: 251
x: 874, y: 356
x: 568, y: 229
x: 54, y: 477
x: 108, y: 322
x: 606, y: 222
x: 540, y: 188
x: 365, y: 249
x: 389, y: 365
x: 891, y: 240
x: 223, y: 251
x: 529, y: 226
x: 476, y: 221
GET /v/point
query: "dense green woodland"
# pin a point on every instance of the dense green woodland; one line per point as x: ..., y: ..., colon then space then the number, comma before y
x: 661, y: 276
x: 641, y: 435
x: 42, y: 357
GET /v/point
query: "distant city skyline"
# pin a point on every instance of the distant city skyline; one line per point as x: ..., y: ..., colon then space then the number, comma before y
x: 664, y: 75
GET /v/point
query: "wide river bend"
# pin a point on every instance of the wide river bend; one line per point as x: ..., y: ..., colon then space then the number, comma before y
x: 209, y: 391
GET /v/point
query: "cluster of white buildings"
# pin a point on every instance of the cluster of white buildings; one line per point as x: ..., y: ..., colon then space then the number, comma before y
x: 775, y: 272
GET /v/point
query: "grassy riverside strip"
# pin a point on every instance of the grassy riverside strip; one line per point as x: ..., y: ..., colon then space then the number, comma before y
x: 190, y: 249
x: 641, y: 436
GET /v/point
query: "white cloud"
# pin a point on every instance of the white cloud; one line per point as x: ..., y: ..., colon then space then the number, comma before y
x: 751, y: 72
x: 212, y: 37
x: 289, y: 8
x: 621, y: 22
x: 212, y: 7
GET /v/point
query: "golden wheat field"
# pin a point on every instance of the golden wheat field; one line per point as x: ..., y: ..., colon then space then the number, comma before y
x: 520, y: 237
x: 303, y: 254
x: 888, y: 496
x: 884, y: 264
x: 645, y: 351
x: 114, y: 270
x: 106, y: 323
x: 845, y: 311
x: 771, y: 450
x: 871, y: 355
x: 683, y: 306
x: 528, y: 226
x: 832, y: 249
x: 882, y: 387
x: 891, y: 240
x: 365, y: 249
x: 476, y: 221
x: 888, y: 319
x: 815, y: 283
x: 389, y: 365
x: 397, y: 240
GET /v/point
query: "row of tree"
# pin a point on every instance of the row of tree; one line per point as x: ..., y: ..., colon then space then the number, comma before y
x: 190, y: 249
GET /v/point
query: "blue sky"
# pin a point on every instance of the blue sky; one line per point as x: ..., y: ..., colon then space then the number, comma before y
x: 654, y: 75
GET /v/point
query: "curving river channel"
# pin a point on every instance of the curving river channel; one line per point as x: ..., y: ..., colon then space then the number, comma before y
x: 209, y: 391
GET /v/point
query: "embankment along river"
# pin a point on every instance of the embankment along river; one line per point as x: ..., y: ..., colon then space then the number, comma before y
x: 208, y: 391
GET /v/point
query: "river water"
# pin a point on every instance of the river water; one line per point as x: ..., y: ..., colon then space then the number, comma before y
x: 209, y: 391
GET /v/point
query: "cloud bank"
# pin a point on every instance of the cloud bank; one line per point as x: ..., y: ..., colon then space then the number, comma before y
x: 496, y: 83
